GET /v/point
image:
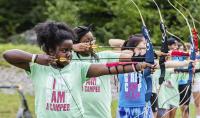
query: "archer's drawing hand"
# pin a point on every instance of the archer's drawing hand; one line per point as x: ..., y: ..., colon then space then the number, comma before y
x: 81, y: 47
x: 168, y: 84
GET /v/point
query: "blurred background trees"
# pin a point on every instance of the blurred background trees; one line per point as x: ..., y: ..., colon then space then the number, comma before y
x: 111, y: 18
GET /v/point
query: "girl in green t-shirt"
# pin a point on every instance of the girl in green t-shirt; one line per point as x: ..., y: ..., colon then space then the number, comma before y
x: 97, y: 89
x: 169, y: 96
x: 58, y: 81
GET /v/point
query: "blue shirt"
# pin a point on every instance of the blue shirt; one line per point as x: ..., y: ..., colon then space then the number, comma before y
x: 132, y: 90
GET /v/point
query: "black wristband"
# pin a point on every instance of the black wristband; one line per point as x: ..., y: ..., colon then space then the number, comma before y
x: 117, y: 69
x: 155, y: 55
x: 109, y: 70
x: 36, y: 56
x: 124, y: 68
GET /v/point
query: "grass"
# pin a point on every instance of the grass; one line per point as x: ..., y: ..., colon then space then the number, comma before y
x: 27, y: 47
x: 30, y: 48
x: 9, y: 104
x: 114, y: 106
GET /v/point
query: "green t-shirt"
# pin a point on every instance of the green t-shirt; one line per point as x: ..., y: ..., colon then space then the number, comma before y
x: 155, y: 80
x: 169, y: 96
x: 96, y: 92
x: 197, y: 75
x: 183, y: 78
x: 58, y: 92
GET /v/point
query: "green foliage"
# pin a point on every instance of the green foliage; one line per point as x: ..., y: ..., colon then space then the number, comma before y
x: 17, y: 16
x: 63, y: 11
x: 119, y: 18
x: 111, y: 18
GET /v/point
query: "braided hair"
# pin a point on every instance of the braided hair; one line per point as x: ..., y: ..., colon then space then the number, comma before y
x: 80, y: 32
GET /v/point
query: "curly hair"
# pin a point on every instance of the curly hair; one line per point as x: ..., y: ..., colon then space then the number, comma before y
x: 52, y: 34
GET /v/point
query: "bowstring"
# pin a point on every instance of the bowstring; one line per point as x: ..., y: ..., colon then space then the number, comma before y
x: 175, y: 97
x: 189, y: 13
x: 141, y: 17
x: 68, y: 87
x: 193, y: 22
x: 193, y: 46
x: 161, y: 19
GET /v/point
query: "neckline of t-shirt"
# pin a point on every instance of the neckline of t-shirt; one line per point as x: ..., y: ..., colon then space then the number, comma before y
x: 60, y: 69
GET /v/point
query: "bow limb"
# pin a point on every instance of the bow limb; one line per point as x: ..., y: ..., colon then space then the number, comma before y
x: 149, y: 57
x: 189, y: 27
x: 192, y: 53
x: 164, y: 47
x: 187, y: 12
x: 164, y: 31
x: 194, y: 30
x: 139, y: 12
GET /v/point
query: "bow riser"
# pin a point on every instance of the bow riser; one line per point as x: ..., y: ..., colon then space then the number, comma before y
x: 192, y: 57
x: 195, y: 37
x: 149, y: 59
x: 164, y: 48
